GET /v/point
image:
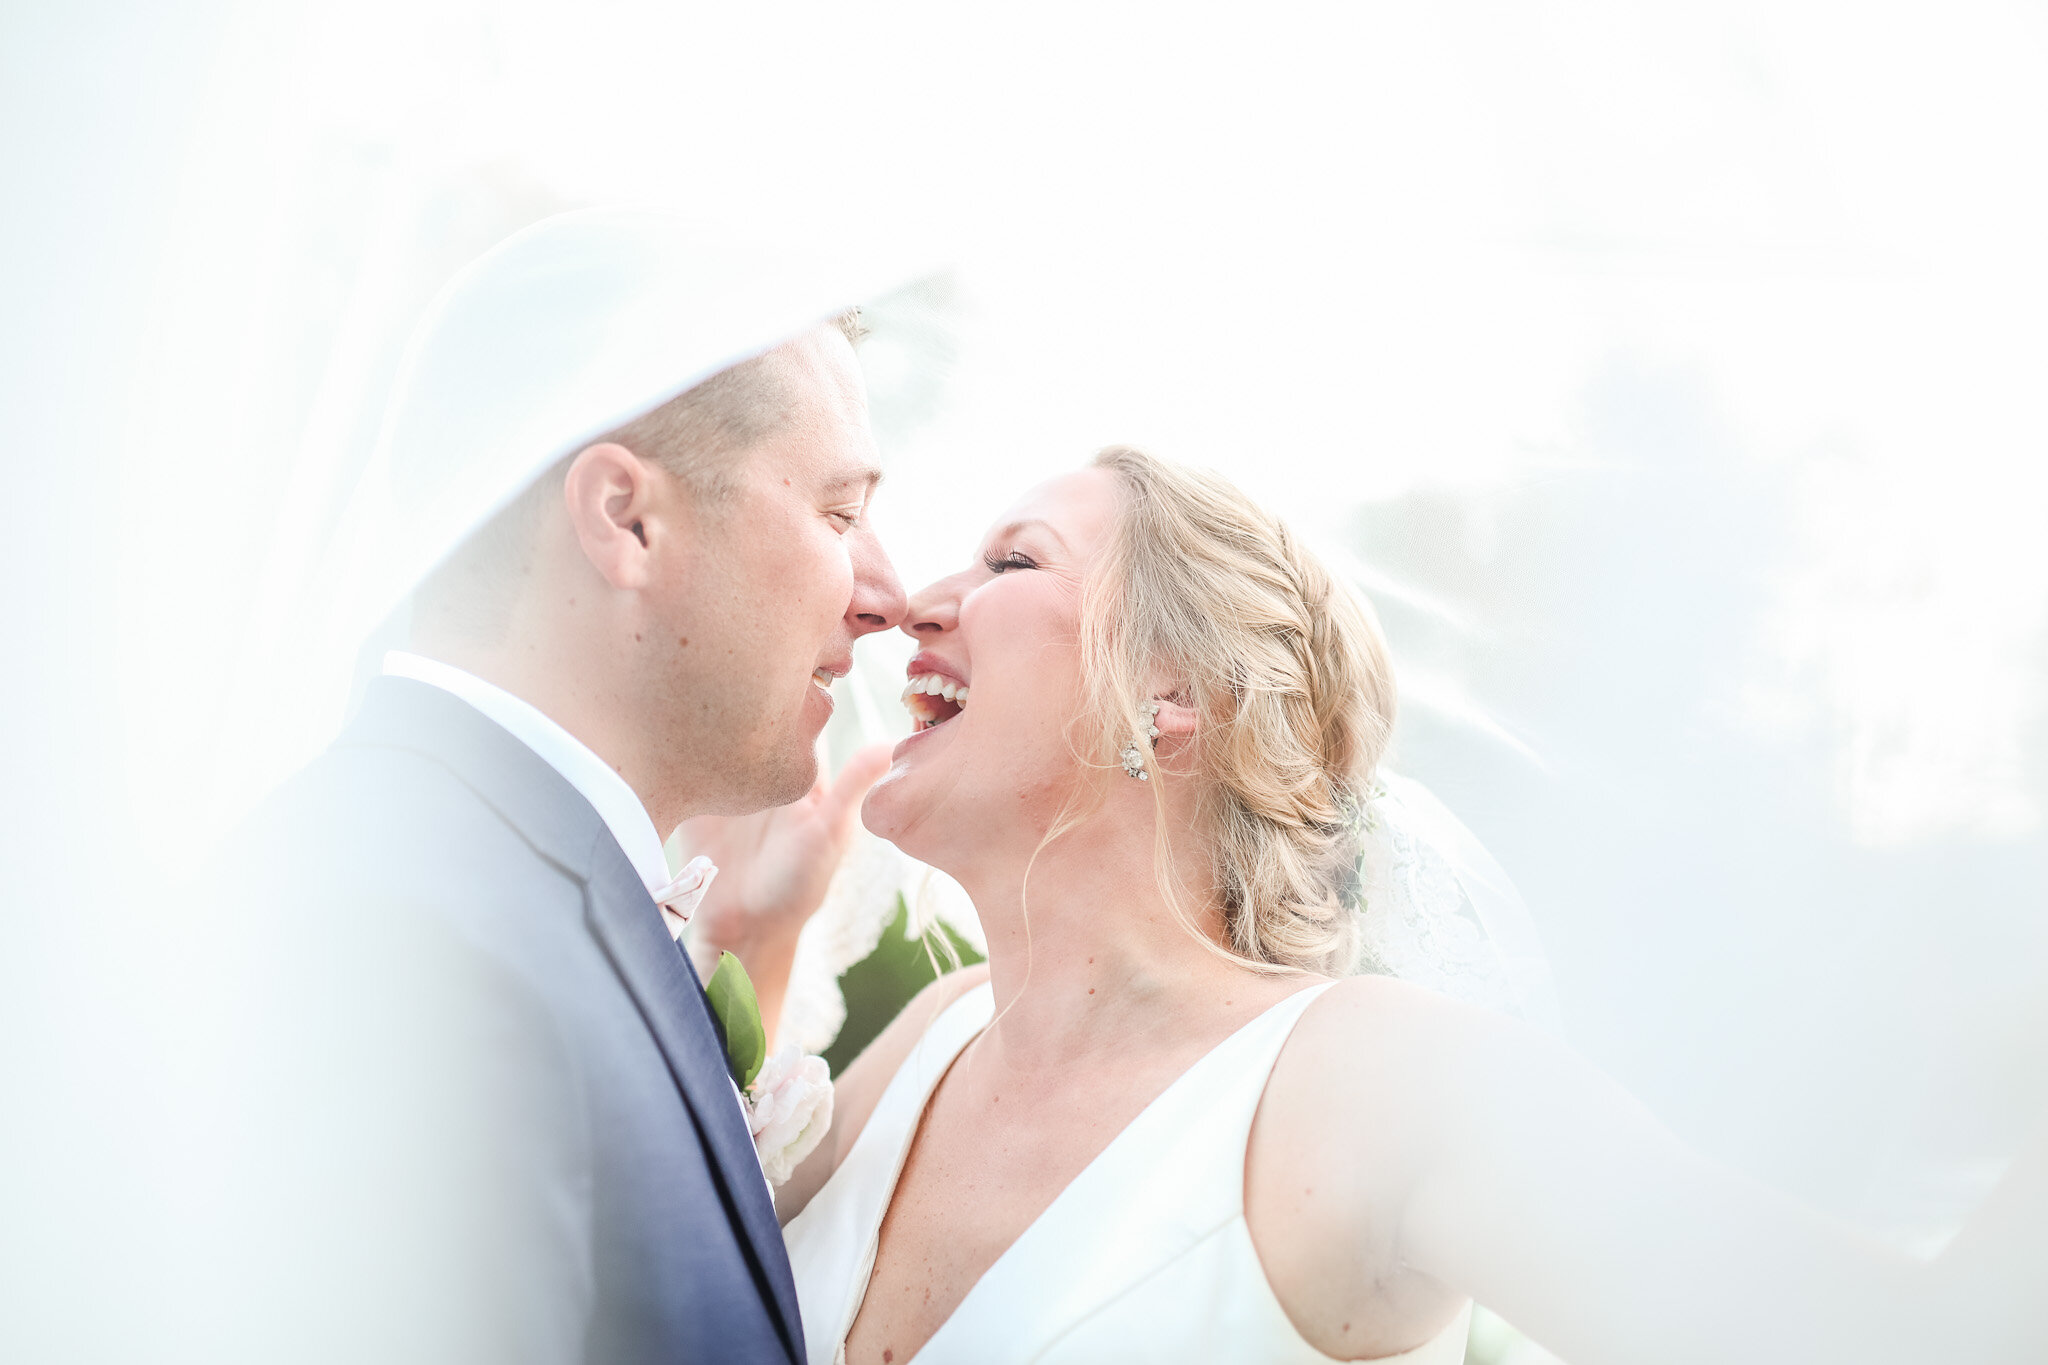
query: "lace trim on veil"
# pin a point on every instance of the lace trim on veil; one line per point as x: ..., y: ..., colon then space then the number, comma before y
x: 1439, y: 911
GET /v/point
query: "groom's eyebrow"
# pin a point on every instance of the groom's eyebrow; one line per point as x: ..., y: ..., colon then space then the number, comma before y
x: 866, y: 474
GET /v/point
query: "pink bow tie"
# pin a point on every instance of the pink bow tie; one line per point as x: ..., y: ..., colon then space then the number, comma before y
x: 678, y: 898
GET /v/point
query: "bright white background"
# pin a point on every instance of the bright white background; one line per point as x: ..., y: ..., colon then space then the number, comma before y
x: 1673, y: 372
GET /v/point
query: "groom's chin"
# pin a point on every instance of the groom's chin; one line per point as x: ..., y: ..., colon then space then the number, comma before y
x: 746, y: 783
x: 789, y: 777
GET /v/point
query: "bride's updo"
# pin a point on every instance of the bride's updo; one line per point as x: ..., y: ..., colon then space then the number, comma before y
x: 1287, y: 671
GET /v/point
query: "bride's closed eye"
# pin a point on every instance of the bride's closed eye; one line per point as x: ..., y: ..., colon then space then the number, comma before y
x: 1014, y: 560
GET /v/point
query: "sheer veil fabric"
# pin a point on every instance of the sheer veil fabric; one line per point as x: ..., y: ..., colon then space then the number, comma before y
x: 1439, y: 911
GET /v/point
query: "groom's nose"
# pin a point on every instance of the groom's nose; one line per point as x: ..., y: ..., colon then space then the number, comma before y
x: 878, y: 600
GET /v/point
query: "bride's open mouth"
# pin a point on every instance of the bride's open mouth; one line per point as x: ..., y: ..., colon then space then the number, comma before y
x: 932, y: 700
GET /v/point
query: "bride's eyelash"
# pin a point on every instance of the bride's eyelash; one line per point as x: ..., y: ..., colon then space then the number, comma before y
x: 1012, y: 560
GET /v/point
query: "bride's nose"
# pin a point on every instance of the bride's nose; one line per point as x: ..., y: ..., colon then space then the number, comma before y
x: 934, y: 609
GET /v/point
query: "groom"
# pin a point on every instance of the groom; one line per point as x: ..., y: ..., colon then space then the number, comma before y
x: 645, y: 630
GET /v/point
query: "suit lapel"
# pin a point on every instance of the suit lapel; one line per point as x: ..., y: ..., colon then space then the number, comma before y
x: 554, y: 817
x: 665, y: 987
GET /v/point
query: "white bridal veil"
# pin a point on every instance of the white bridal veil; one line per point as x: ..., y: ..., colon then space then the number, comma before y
x: 1440, y: 912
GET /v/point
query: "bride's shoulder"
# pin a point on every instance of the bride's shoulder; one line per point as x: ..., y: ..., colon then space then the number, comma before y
x: 1368, y: 1037
x: 1383, y: 1015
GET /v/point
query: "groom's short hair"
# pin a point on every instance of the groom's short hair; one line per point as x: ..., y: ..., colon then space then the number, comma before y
x: 699, y: 436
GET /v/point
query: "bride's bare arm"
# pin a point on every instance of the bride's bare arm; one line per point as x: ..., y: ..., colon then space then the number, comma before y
x: 856, y: 1093
x: 1458, y: 1150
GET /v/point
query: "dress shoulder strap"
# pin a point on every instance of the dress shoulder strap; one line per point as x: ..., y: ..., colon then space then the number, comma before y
x: 902, y: 1103
x: 837, y: 1229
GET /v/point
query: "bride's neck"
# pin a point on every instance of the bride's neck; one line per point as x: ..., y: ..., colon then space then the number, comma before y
x: 1087, y: 953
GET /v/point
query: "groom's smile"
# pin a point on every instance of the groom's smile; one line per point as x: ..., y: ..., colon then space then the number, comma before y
x: 822, y: 679
x: 773, y: 582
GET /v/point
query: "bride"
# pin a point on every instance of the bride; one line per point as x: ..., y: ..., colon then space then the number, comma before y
x: 1154, y: 1127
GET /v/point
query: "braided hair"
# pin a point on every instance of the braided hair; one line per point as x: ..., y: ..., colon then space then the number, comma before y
x: 1287, y: 672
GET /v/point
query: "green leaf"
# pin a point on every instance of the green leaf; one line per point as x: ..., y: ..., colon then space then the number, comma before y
x: 881, y: 984
x: 731, y: 993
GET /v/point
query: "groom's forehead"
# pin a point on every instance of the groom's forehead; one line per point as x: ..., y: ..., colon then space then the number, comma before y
x: 836, y: 469
x: 826, y: 371
x: 822, y: 439
x: 835, y: 458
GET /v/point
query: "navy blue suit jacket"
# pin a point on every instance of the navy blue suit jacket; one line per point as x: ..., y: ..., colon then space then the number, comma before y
x: 646, y: 1231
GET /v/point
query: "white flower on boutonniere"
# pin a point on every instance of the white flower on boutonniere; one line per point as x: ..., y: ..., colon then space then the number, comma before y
x: 789, y: 1109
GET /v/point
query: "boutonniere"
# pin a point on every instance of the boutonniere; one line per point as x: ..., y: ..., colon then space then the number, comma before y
x: 787, y: 1098
x: 731, y: 993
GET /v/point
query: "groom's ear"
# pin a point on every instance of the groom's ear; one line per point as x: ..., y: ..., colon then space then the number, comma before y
x: 610, y: 492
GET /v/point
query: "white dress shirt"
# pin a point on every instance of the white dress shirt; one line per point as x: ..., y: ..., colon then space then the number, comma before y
x: 616, y: 802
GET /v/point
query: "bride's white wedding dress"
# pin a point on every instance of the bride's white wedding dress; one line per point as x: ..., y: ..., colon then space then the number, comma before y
x: 1144, y: 1257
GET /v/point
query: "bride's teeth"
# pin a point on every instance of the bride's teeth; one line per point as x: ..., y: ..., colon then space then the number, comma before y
x: 925, y: 714
x: 932, y: 685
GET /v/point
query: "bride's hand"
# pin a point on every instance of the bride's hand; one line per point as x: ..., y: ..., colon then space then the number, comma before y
x: 773, y: 867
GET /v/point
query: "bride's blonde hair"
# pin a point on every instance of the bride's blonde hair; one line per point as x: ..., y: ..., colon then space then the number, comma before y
x: 1287, y: 672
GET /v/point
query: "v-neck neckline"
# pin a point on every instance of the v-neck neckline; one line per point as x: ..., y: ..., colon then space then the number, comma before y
x: 982, y: 998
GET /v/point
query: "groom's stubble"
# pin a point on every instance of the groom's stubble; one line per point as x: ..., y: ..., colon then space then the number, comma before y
x: 754, y: 568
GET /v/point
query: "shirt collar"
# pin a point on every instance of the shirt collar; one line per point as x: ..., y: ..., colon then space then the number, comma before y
x: 616, y: 803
